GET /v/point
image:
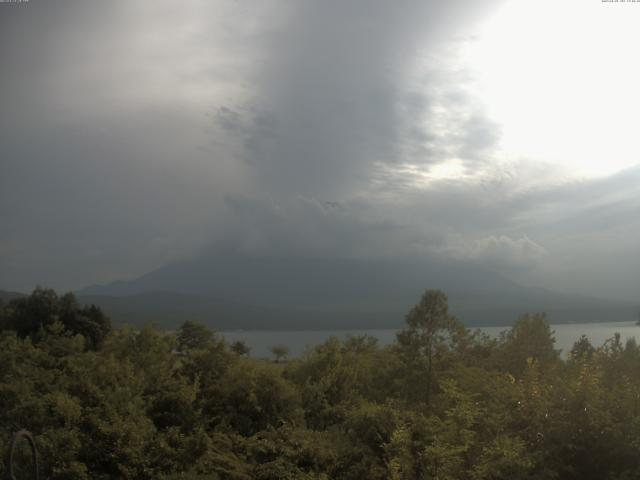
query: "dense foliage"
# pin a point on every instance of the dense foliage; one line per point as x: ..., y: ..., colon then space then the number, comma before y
x: 441, y: 403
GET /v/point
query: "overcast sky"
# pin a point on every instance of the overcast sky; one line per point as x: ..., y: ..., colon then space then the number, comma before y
x: 138, y: 133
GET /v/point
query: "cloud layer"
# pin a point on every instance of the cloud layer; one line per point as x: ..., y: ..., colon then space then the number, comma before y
x: 134, y: 135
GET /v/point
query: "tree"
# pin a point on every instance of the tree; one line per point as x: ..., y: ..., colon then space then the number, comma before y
x: 3, y: 316
x: 241, y: 348
x: 582, y: 349
x: 430, y: 327
x: 29, y: 316
x: 530, y: 338
x: 35, y: 315
x: 89, y: 321
x: 193, y: 335
x: 280, y: 352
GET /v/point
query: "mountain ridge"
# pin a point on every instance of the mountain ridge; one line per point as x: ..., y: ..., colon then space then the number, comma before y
x: 308, y: 293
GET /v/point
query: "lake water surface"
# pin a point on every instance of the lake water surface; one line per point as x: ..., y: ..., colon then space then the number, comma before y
x: 261, y: 341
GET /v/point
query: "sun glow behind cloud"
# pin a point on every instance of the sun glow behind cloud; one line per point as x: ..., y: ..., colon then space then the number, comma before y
x: 561, y: 80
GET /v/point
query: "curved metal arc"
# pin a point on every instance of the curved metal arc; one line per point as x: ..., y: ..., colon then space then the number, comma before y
x: 34, y: 454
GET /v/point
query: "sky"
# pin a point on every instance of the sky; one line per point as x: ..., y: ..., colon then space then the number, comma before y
x: 502, y: 133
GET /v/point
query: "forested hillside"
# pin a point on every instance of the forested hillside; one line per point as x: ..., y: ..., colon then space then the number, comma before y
x: 440, y: 403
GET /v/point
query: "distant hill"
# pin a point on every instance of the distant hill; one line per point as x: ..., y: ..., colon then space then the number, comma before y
x: 168, y: 310
x: 268, y: 293
x: 6, y: 297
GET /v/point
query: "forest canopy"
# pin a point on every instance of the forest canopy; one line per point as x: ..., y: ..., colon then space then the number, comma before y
x: 442, y: 402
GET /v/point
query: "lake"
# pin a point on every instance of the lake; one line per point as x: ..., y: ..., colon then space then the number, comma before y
x: 261, y: 341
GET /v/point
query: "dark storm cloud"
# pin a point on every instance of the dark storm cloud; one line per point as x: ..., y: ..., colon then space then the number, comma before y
x: 125, y: 124
x: 137, y: 133
x: 332, y: 91
x: 106, y: 172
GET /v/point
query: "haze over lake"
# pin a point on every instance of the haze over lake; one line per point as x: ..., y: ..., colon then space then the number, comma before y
x: 261, y: 341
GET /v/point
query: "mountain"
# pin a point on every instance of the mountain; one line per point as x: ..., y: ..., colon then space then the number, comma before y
x: 6, y: 297
x: 167, y: 309
x: 234, y: 292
